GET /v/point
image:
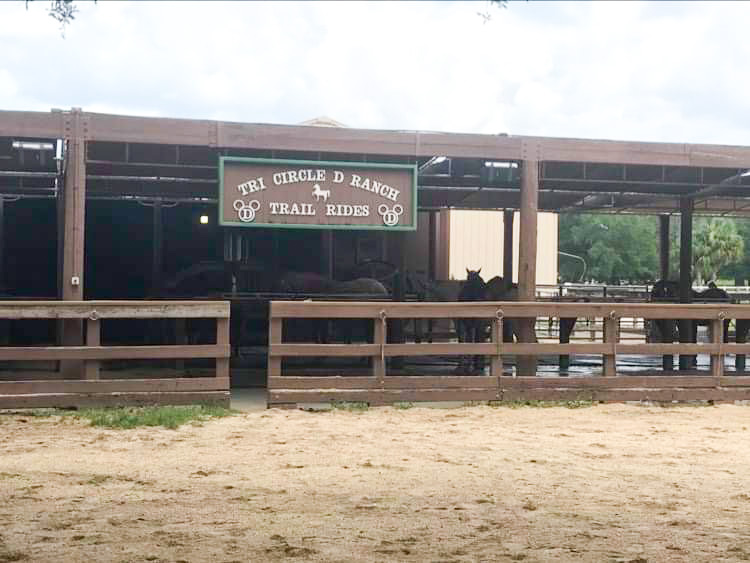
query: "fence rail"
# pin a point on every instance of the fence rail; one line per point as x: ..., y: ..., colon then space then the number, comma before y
x: 379, y: 388
x: 88, y: 389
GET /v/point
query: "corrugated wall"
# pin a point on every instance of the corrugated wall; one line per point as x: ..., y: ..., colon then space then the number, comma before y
x: 476, y: 241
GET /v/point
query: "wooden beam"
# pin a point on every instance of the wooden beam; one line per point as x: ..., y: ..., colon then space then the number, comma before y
x: 527, y: 251
x: 113, y: 309
x: 686, y: 273
x: 40, y: 353
x: 73, y: 226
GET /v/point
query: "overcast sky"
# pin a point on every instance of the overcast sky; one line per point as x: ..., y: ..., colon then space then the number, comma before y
x: 667, y: 71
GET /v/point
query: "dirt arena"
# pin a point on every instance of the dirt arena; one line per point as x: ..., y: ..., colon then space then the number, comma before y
x: 606, y: 483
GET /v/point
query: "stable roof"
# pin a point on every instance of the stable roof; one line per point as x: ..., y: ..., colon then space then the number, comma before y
x: 149, y: 157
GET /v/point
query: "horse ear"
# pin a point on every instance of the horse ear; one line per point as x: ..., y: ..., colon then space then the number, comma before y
x: 467, y: 271
x: 479, y: 271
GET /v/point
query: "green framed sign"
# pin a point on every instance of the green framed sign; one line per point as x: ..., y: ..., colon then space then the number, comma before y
x: 316, y: 194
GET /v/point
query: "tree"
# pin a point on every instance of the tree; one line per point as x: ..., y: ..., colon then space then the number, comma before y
x: 616, y: 248
x: 63, y: 11
x: 716, y: 244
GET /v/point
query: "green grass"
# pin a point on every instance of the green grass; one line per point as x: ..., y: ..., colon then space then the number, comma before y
x: 166, y: 416
x: 580, y: 404
x: 350, y: 405
x: 133, y: 417
x: 403, y: 405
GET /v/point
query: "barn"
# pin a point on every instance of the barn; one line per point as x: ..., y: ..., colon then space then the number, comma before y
x: 151, y: 260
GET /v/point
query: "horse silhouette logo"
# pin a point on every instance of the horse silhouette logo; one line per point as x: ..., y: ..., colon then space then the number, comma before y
x: 318, y: 193
x: 246, y: 211
x: 390, y: 215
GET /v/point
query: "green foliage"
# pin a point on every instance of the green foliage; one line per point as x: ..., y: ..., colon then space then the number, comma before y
x: 716, y: 244
x: 168, y: 416
x: 616, y: 248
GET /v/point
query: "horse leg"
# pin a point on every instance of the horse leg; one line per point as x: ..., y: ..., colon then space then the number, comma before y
x: 741, y: 330
x: 566, y: 329
x: 666, y: 336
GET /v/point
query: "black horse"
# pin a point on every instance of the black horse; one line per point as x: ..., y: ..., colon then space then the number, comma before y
x: 669, y: 329
x: 472, y: 330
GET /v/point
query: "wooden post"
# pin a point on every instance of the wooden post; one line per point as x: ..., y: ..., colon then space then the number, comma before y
x: 664, y: 246
x: 611, y: 335
x: 222, y: 339
x: 508, y: 216
x: 686, y: 277
x: 73, y: 239
x: 496, y: 363
x: 378, y: 361
x: 716, y: 329
x: 274, y: 337
x: 526, y: 365
x: 93, y: 338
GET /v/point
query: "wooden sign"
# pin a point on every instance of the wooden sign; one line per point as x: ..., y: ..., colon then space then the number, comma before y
x: 261, y: 192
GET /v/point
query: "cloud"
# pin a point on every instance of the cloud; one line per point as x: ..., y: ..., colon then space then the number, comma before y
x: 643, y: 71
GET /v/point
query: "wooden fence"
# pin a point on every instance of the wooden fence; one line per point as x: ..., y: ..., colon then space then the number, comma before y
x: 379, y: 388
x: 89, y: 389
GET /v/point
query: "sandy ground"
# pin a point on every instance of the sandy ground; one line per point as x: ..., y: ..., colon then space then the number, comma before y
x: 609, y: 483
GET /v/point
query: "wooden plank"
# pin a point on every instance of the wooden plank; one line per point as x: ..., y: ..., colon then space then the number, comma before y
x: 42, y: 387
x: 31, y: 124
x: 112, y: 309
x: 440, y: 349
x: 312, y: 382
x: 113, y: 352
x: 274, y: 339
x: 93, y: 338
x: 338, y: 350
x: 324, y: 395
x: 617, y: 382
x: 417, y: 395
x: 735, y: 381
x: 555, y: 349
x: 440, y: 382
x: 516, y: 309
x: 68, y: 400
x: 546, y: 395
x: 222, y: 339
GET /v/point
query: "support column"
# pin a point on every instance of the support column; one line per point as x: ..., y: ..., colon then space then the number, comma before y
x: 664, y: 247
x: 526, y: 365
x: 326, y: 255
x: 686, y: 277
x: 508, y: 216
x: 73, y: 234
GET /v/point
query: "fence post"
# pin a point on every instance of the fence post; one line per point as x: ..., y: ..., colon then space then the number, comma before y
x: 379, y: 338
x: 274, y: 337
x: 222, y: 339
x: 717, y: 339
x: 180, y: 339
x: 611, y: 335
x: 496, y: 364
x: 93, y: 338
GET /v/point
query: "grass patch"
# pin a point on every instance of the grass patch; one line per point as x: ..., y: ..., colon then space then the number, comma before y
x: 350, y: 405
x: 167, y: 416
x: 580, y: 404
x: 403, y: 405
